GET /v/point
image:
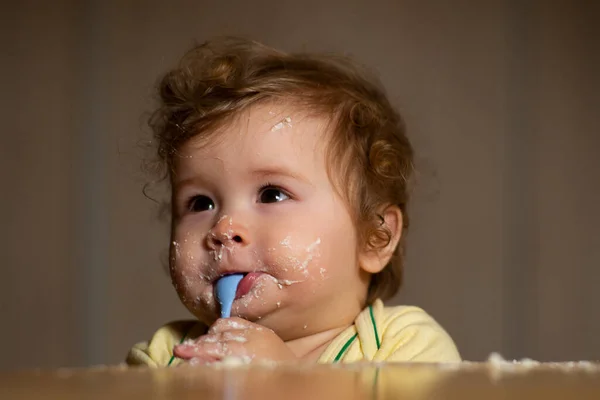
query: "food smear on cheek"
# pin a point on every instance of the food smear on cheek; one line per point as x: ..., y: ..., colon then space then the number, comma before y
x: 206, y: 299
x: 177, y: 252
x: 287, y: 261
x: 189, y: 275
x: 206, y: 272
x: 299, y: 264
x: 286, y: 242
x: 312, y: 251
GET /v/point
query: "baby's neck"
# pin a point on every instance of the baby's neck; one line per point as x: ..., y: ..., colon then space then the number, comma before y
x: 310, y: 348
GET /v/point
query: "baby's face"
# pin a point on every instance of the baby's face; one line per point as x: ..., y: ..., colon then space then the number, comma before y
x: 257, y: 200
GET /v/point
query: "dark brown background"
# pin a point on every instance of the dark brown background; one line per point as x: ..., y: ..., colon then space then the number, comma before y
x: 501, y: 99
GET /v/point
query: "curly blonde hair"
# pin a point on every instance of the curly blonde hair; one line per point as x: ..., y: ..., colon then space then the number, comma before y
x: 370, y: 158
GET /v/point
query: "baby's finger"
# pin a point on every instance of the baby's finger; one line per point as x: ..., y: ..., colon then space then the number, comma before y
x: 184, y: 351
x: 238, y: 336
x: 229, y: 324
x: 205, y: 351
x: 228, y: 344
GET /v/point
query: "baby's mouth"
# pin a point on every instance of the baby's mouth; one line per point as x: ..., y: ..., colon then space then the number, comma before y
x: 246, y: 284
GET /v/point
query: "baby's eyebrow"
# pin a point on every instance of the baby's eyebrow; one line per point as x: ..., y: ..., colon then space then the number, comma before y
x: 280, y: 171
x: 193, y: 180
x: 182, y: 184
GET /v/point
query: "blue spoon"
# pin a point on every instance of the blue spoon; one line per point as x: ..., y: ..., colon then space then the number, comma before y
x: 226, y: 288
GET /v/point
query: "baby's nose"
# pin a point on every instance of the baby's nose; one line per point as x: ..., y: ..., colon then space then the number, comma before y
x: 227, y: 233
x: 223, y: 239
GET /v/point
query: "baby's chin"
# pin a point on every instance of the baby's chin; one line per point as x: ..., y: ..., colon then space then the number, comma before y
x: 259, y: 311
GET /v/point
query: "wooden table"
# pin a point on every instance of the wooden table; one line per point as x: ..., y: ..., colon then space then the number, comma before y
x: 391, y: 381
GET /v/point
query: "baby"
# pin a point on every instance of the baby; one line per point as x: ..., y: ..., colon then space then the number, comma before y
x: 292, y: 169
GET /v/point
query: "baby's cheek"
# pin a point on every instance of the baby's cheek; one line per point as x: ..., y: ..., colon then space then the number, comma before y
x: 185, y: 270
x: 182, y: 283
x: 205, y: 300
x: 296, y: 260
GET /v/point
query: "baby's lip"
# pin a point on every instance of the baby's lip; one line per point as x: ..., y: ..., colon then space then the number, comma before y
x: 223, y: 273
x: 240, y: 264
x: 246, y: 284
x: 228, y: 273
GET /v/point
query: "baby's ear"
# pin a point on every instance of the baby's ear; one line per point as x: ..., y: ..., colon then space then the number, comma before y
x: 373, y: 261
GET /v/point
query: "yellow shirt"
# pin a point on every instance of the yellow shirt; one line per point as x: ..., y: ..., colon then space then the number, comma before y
x: 401, y: 333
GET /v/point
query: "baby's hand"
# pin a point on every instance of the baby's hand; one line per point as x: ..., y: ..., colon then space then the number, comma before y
x: 238, y: 338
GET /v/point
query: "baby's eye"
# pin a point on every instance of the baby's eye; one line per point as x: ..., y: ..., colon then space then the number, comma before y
x: 200, y: 203
x: 272, y: 194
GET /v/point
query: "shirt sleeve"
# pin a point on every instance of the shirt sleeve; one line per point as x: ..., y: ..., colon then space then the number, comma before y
x: 158, y: 352
x: 411, y: 335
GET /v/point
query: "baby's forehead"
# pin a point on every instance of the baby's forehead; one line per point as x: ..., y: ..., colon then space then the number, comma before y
x: 265, y: 126
x: 264, y: 137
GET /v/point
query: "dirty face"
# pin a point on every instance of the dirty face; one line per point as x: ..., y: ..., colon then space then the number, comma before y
x: 257, y: 200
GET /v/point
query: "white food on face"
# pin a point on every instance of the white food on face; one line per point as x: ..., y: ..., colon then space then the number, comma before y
x: 287, y: 121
